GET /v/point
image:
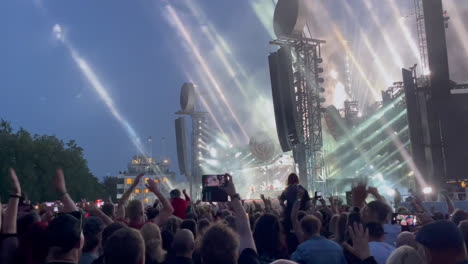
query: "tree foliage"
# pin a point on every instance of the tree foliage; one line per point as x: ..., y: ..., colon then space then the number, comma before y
x: 110, y: 186
x: 36, y: 158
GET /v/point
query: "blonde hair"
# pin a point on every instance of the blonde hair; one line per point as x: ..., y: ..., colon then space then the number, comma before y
x: 135, y: 210
x: 153, y: 242
x: 405, y: 255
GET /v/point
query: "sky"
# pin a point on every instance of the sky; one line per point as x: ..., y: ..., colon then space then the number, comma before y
x: 108, y: 73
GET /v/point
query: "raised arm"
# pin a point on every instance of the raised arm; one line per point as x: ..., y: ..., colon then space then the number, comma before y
x: 242, y: 221
x: 9, y: 222
x: 450, y: 205
x: 359, y: 194
x: 187, y: 198
x: 294, y: 213
x: 166, y: 210
x: 120, y: 212
x: 68, y: 204
x: 376, y: 194
x: 93, y: 210
x: 9, y: 244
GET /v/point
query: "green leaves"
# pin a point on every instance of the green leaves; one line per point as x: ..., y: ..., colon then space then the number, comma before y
x: 35, y: 159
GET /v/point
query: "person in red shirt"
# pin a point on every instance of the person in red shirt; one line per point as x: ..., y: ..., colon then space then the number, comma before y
x: 180, y: 205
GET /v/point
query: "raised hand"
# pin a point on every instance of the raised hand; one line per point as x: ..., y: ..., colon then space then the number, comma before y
x: 359, y: 193
x: 138, y: 177
x: 184, y: 191
x: 230, y: 189
x: 152, y: 186
x: 360, y: 238
x: 15, y: 184
x: 90, y: 208
x: 60, y: 182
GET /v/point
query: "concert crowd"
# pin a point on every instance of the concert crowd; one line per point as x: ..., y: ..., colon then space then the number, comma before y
x: 293, y: 228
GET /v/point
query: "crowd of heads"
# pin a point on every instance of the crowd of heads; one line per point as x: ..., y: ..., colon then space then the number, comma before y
x: 292, y: 228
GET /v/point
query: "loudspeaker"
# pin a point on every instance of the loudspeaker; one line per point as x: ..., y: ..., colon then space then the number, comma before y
x: 181, y: 139
x: 281, y: 77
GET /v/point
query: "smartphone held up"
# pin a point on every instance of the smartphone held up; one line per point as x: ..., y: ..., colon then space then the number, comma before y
x: 212, y: 187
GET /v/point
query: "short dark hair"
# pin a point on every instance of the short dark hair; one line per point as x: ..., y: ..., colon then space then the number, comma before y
x: 310, y: 225
x: 191, y: 225
x: 92, y: 230
x: 219, y: 245
x: 293, y: 179
x: 267, y: 235
x: 64, y: 232
x: 376, y: 230
x: 109, y: 230
x: 175, y: 193
x: 152, y: 212
x: 108, y: 209
x: 125, y: 246
x: 459, y: 215
x: 380, y: 209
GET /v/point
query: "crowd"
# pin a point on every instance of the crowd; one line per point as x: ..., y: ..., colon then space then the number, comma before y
x: 298, y: 229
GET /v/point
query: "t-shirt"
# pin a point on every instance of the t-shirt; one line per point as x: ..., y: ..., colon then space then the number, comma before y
x: 87, y: 258
x: 319, y: 250
x: 248, y: 256
x: 381, y: 251
x: 391, y: 233
x: 290, y: 195
x: 180, y: 206
x: 179, y: 260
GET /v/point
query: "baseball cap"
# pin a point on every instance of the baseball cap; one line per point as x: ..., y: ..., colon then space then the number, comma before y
x: 64, y: 232
x: 440, y: 235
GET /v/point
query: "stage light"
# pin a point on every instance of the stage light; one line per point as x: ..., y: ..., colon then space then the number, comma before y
x: 212, y: 162
x: 238, y: 154
x: 391, y: 192
x: 427, y: 190
x: 334, y: 74
x: 213, y: 152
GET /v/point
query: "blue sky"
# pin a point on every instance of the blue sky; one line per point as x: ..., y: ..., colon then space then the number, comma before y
x: 142, y: 55
x: 137, y: 55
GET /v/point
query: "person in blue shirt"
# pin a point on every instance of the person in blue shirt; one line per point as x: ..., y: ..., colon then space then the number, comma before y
x: 315, y: 248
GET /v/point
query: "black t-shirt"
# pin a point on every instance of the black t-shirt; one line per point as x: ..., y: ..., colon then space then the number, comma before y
x: 290, y: 195
x: 248, y: 256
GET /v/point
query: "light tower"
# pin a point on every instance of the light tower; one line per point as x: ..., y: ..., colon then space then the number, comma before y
x: 198, y: 138
x: 296, y: 85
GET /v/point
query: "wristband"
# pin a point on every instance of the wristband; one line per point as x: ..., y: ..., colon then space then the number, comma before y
x: 236, y: 196
x: 63, y: 194
x: 15, y: 196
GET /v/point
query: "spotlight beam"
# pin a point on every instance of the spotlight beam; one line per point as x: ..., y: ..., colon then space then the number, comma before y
x: 176, y: 21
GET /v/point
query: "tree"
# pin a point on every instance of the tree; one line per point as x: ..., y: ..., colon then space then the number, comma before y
x: 35, y: 159
x: 110, y: 186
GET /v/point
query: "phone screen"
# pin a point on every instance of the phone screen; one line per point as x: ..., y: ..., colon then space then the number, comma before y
x: 406, y: 220
x: 55, y: 209
x: 214, y: 180
x: 211, y: 191
x: 318, y: 195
